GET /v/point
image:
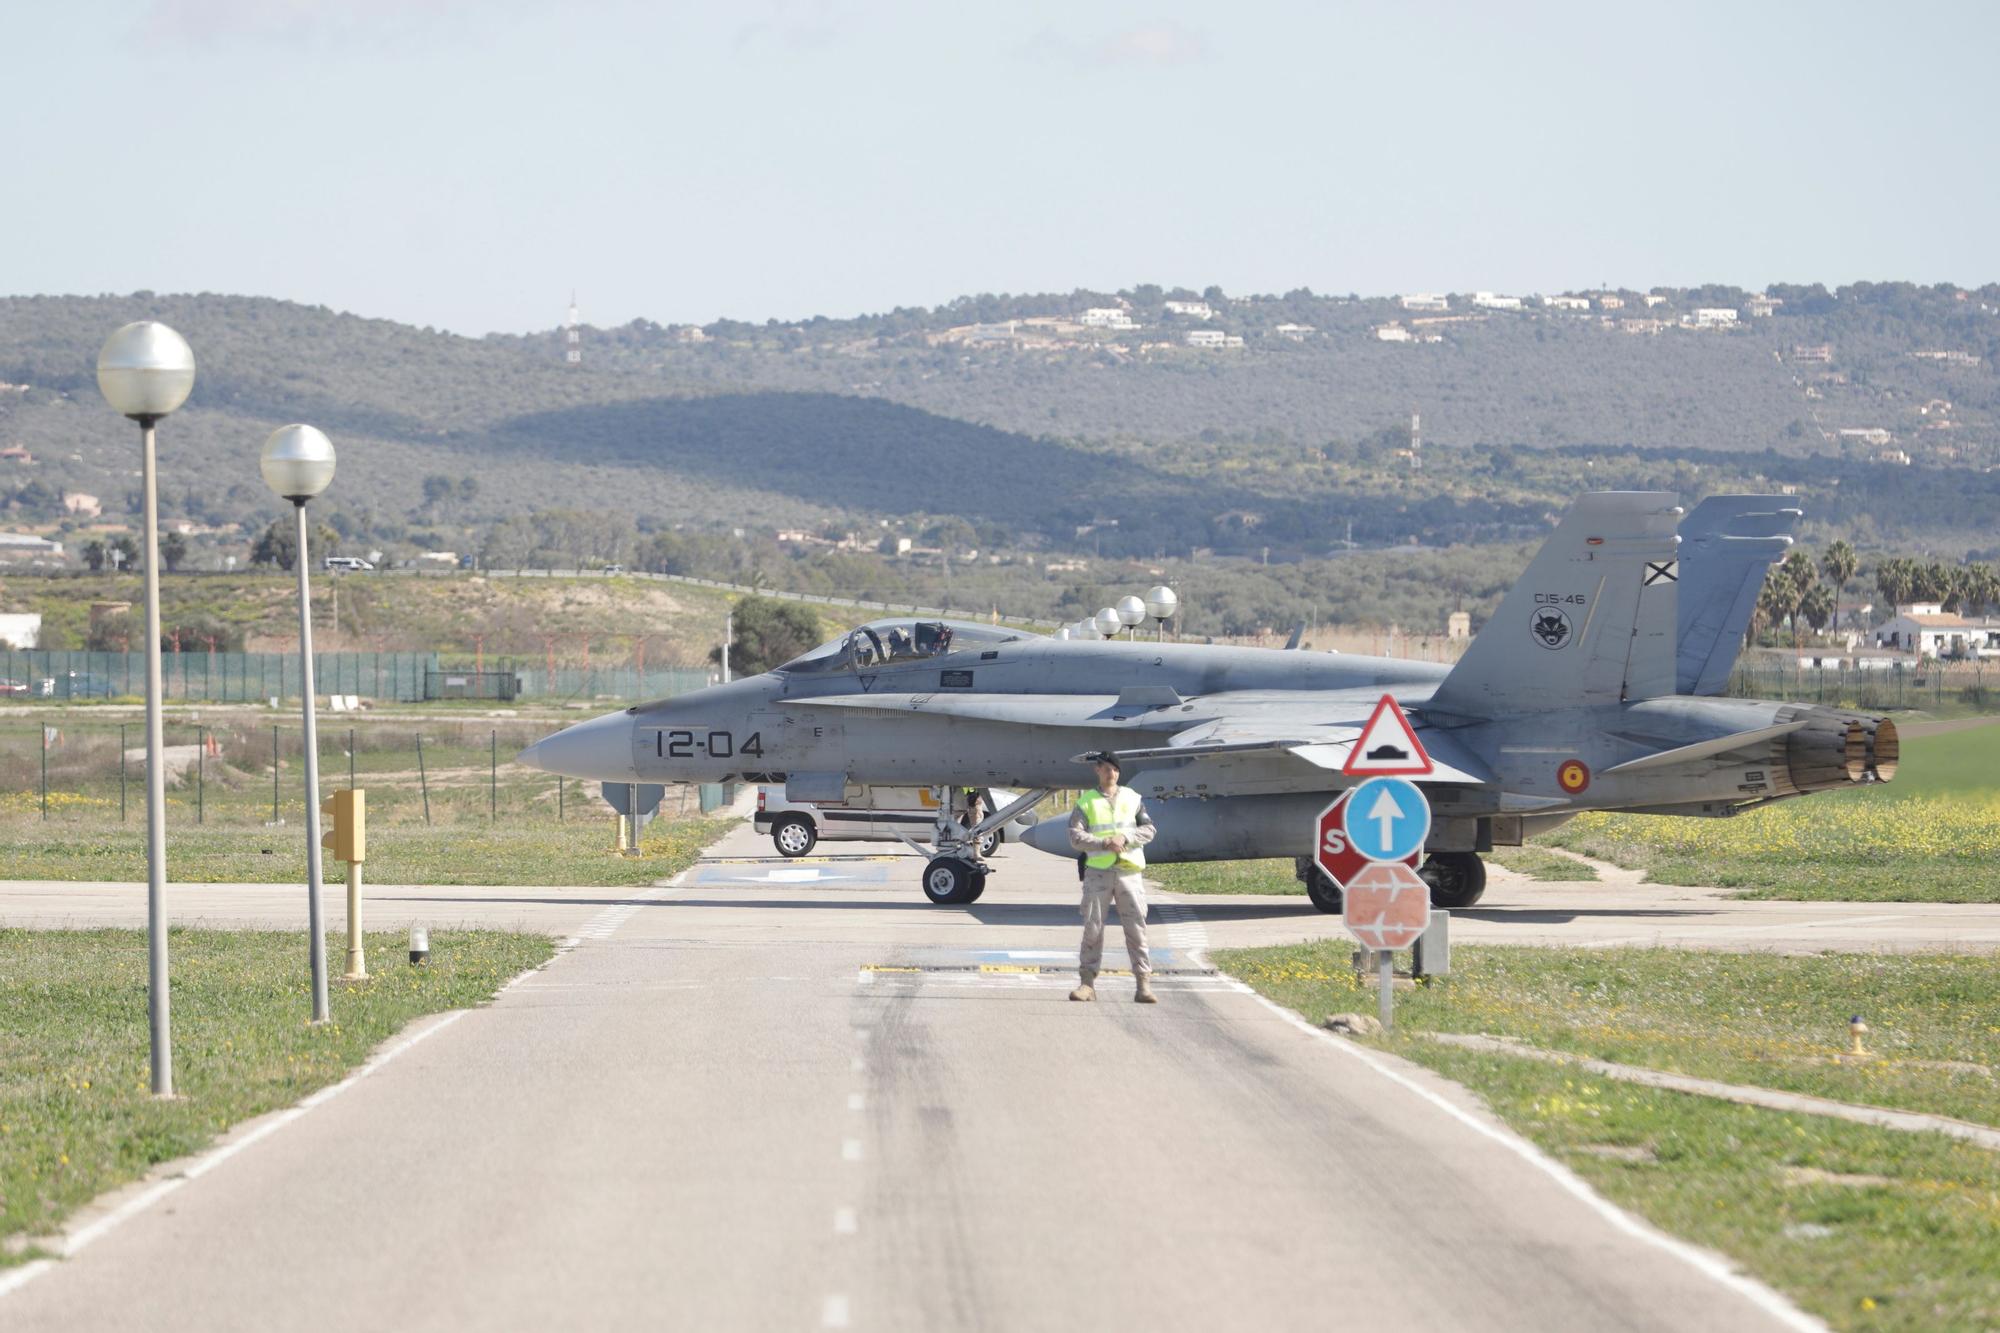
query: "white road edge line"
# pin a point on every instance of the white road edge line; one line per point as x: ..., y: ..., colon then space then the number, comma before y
x: 1765, y: 1298
x: 205, y: 1161
x: 75, y: 1241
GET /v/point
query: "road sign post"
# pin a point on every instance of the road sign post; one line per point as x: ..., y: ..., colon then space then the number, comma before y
x: 1385, y: 904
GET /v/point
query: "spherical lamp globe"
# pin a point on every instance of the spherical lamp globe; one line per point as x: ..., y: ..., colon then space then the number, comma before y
x: 297, y: 462
x: 1107, y: 621
x: 1161, y: 603
x: 145, y: 370
x: 1063, y: 633
x: 1130, y: 611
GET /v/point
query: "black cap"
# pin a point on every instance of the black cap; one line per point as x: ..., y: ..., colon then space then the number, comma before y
x: 1105, y: 757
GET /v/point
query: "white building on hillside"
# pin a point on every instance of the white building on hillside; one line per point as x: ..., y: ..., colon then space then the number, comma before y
x: 1213, y: 338
x: 1927, y: 629
x: 1192, y: 309
x: 1713, y: 317
x: 1106, y: 317
x: 1566, y: 302
x: 1393, y: 333
x: 1493, y: 301
x: 1426, y: 301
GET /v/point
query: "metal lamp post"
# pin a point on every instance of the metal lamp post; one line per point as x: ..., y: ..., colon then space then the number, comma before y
x: 145, y: 371
x: 1161, y: 603
x: 297, y: 464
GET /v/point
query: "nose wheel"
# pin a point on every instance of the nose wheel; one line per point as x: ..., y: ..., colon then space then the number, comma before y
x: 952, y: 881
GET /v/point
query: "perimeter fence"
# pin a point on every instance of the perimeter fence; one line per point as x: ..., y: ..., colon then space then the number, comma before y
x: 88, y: 770
x: 1928, y: 684
x: 204, y: 677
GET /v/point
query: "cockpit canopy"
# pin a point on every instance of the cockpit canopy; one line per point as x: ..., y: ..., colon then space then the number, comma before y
x: 894, y: 642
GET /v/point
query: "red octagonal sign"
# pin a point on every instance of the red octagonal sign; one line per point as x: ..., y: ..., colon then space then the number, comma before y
x: 1386, y: 906
x: 1336, y: 856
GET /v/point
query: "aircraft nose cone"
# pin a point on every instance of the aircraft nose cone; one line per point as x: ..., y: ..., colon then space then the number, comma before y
x: 1050, y: 835
x: 600, y: 748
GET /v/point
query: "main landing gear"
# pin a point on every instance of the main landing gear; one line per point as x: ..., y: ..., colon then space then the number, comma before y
x: 1456, y: 879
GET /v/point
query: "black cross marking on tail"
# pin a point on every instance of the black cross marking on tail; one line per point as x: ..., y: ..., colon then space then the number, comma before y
x: 1666, y: 572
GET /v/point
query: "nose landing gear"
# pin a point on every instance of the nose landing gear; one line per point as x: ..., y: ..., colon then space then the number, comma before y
x: 952, y: 881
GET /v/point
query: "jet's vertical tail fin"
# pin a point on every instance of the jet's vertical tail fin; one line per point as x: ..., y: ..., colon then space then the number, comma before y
x: 1590, y: 622
x: 1727, y: 543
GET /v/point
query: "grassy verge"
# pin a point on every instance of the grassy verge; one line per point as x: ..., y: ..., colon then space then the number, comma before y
x: 1273, y: 875
x: 76, y: 1114
x: 1541, y: 863
x: 1868, y: 1228
x: 575, y: 853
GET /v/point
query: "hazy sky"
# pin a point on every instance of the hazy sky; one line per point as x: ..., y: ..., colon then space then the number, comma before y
x: 465, y: 163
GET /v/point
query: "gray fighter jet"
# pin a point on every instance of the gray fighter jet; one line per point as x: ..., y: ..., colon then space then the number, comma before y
x: 1592, y: 688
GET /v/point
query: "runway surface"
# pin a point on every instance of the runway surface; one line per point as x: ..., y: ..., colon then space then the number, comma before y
x: 785, y: 1095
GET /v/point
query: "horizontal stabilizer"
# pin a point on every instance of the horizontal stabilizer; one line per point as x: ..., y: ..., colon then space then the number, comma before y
x: 1703, y: 749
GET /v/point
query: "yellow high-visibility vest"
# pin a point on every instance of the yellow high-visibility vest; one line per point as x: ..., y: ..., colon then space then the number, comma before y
x: 1105, y: 817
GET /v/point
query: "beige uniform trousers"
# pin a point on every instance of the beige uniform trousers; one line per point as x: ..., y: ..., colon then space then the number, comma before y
x: 1099, y: 888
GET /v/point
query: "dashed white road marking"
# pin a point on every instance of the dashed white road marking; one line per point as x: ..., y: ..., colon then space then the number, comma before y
x: 844, y: 1222
x: 850, y: 1150
x: 856, y: 1101
x: 1185, y: 932
x: 834, y: 1313
x: 857, y: 1065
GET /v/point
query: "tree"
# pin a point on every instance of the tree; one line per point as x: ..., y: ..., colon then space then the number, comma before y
x: 279, y: 544
x: 1895, y: 579
x: 468, y: 489
x: 768, y: 633
x: 437, y: 489
x: 1780, y: 597
x: 173, y: 550
x: 127, y: 548
x: 1817, y: 606
x: 93, y: 554
x: 1839, y: 564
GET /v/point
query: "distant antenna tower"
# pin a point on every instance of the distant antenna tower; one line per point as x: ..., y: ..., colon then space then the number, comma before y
x: 1416, y: 442
x: 572, y: 335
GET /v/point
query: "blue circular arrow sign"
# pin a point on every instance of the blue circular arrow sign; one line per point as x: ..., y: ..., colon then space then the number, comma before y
x: 1387, y: 819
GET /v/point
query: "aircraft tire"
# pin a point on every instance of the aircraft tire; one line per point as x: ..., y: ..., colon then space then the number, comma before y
x: 1457, y: 879
x: 1325, y: 894
x: 794, y: 835
x: 951, y: 881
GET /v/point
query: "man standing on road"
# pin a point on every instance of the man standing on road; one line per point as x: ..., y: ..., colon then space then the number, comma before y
x: 1107, y: 829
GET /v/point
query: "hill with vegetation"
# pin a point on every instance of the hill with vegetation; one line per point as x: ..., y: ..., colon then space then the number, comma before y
x: 1005, y: 428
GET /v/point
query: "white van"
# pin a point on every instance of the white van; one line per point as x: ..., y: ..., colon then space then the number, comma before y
x: 347, y: 562
x: 868, y: 814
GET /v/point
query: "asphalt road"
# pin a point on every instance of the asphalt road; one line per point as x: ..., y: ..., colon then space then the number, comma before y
x: 792, y: 1095
x: 866, y: 895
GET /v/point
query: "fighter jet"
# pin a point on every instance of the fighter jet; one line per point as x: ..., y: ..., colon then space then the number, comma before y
x: 1593, y: 687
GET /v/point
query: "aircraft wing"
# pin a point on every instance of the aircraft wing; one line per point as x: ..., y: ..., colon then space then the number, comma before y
x: 1324, y: 746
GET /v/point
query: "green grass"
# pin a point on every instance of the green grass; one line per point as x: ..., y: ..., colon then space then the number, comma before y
x: 1755, y: 1018
x: 577, y: 853
x: 76, y: 1113
x: 1538, y: 862
x: 1273, y: 875
x: 1919, y: 1246
x: 1932, y: 835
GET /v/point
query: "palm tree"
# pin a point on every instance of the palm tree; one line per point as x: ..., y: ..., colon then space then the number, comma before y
x: 1803, y: 575
x: 1839, y: 564
x: 1895, y: 579
x: 1779, y: 597
x: 1818, y: 606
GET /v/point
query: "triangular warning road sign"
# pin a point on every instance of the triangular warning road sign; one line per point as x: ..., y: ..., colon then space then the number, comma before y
x: 1388, y: 746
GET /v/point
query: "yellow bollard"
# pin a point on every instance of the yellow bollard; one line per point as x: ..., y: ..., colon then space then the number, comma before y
x: 357, y: 953
x: 1856, y: 1030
